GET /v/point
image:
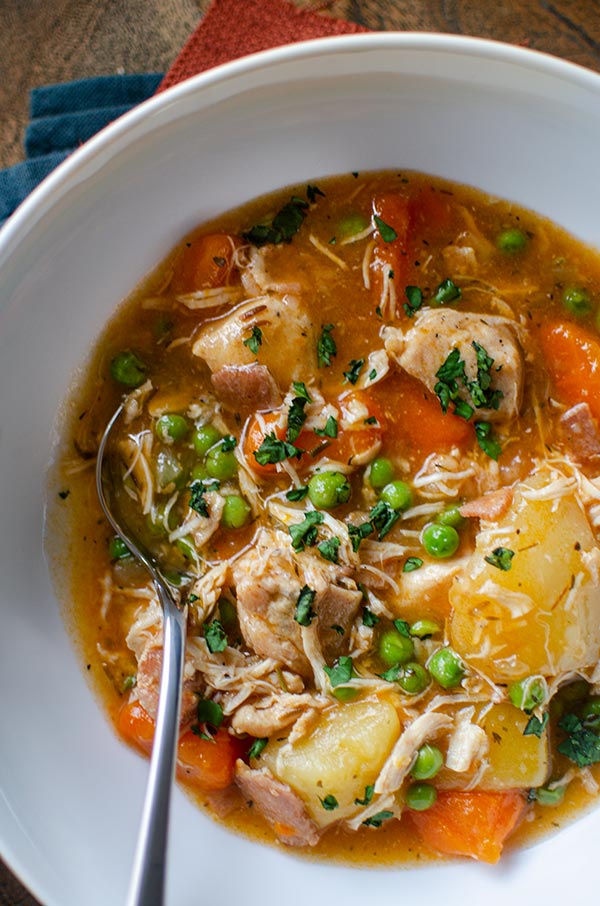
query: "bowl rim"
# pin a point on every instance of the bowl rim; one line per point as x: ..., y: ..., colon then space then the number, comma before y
x: 53, y: 187
x: 124, y: 131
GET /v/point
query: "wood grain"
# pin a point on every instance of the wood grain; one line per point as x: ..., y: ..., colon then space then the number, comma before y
x: 45, y: 41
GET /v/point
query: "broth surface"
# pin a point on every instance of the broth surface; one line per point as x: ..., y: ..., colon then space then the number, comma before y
x: 362, y: 425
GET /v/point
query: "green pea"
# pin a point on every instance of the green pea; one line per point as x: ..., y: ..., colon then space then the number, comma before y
x: 171, y: 427
x: 528, y: 693
x: 546, y: 796
x: 187, y: 548
x: 395, y: 648
x: 577, y: 301
x: 381, y: 473
x: 204, y: 438
x: 446, y: 667
x: 452, y: 517
x: 328, y: 489
x: 397, y: 494
x: 428, y: 762
x: 236, y: 512
x: 424, y: 629
x: 420, y: 796
x: 221, y: 464
x: 199, y: 472
x: 440, y: 541
x: 351, y: 225
x: 346, y: 693
x: 128, y: 369
x: 413, y: 678
x: 511, y: 241
x: 169, y: 470
x: 117, y: 549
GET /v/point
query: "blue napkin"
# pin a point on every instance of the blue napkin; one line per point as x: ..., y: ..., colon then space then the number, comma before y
x: 62, y: 117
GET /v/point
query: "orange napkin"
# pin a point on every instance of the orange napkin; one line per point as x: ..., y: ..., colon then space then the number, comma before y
x: 234, y: 28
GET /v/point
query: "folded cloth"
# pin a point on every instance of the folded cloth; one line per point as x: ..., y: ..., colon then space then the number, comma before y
x: 65, y: 116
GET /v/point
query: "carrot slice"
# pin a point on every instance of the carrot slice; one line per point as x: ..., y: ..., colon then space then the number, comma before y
x: 391, y: 256
x: 204, y: 264
x: 474, y: 823
x: 203, y: 763
x: 415, y: 418
x: 572, y: 357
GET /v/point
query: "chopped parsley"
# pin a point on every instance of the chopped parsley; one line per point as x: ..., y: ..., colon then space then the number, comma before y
x: 312, y: 192
x: 487, y: 440
x: 582, y: 746
x: 372, y: 374
x: 411, y: 564
x: 482, y: 396
x: 391, y: 675
x: 354, y: 369
x: 414, y: 301
x: 340, y: 673
x: 197, y: 491
x: 301, y: 391
x: 371, y: 420
x: 209, y: 712
x: 358, y: 533
x: 382, y: 517
x: 448, y: 374
x: 329, y: 549
x: 297, y: 494
x: 257, y: 747
x: 254, y: 340
x: 387, y: 233
x: 501, y: 558
x: 339, y: 629
x: 368, y: 796
x: 228, y: 443
x: 330, y: 429
x: 273, y: 450
x: 296, y: 418
x: 214, y: 636
x: 304, y: 613
x: 403, y: 628
x: 447, y: 292
x: 535, y: 726
x: 480, y: 389
x: 305, y: 533
x: 283, y: 227
x: 369, y: 618
x: 378, y: 819
x: 326, y: 348
x: 329, y: 802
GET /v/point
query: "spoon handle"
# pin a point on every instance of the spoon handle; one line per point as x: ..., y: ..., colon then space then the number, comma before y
x: 147, y: 885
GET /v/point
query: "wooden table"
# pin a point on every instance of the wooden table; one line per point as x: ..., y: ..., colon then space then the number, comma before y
x: 43, y: 41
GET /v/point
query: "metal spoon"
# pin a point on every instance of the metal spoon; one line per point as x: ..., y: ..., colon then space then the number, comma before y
x: 147, y: 884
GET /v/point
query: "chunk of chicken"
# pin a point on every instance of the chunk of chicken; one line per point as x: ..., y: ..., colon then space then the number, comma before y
x: 283, y: 809
x: 426, y: 590
x: 423, y: 349
x: 489, y: 506
x: 148, y: 685
x: 268, y: 582
x: 270, y: 714
x: 288, y: 347
x: 581, y: 432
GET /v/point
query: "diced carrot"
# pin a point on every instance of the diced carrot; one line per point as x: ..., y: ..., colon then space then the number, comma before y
x: 209, y: 764
x: 572, y: 357
x: 470, y: 823
x: 206, y: 764
x: 430, y: 211
x: 391, y: 257
x: 353, y: 442
x: 415, y: 417
x: 259, y: 427
x: 204, y: 264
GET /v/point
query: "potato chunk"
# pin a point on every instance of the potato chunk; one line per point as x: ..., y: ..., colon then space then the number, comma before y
x: 542, y: 614
x: 343, y: 754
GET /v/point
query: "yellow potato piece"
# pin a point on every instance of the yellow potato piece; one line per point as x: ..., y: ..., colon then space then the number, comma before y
x: 515, y: 761
x: 543, y: 614
x: 343, y: 754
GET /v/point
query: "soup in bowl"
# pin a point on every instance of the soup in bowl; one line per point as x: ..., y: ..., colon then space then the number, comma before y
x: 361, y: 417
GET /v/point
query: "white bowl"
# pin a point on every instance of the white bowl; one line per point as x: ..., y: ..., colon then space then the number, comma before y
x: 515, y: 123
